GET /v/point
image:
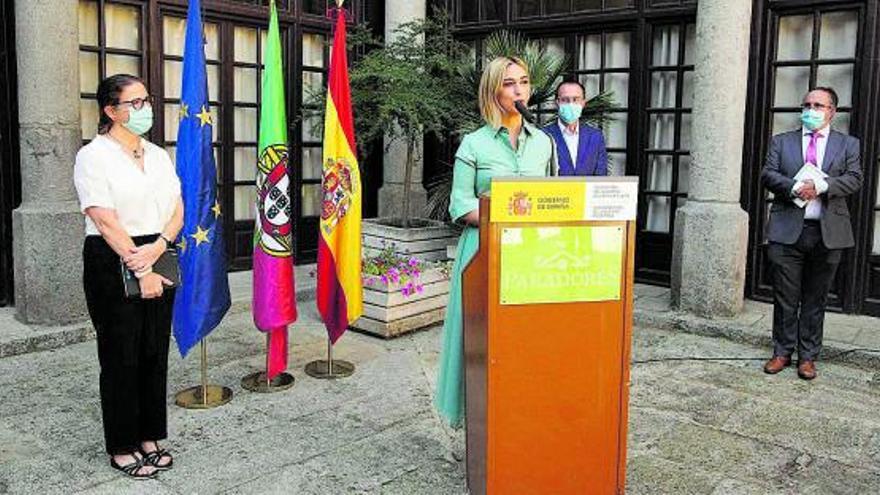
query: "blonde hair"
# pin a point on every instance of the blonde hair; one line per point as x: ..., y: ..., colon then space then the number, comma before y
x: 490, y: 86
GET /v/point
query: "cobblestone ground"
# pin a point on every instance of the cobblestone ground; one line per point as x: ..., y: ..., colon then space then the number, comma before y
x: 695, y: 426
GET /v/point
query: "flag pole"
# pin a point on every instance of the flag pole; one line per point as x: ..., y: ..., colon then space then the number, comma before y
x: 329, y: 357
x: 268, y: 341
x: 259, y: 381
x: 330, y: 368
x: 203, y: 396
x: 204, y: 352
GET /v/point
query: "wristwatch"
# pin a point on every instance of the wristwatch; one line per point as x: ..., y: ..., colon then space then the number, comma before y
x: 168, y: 242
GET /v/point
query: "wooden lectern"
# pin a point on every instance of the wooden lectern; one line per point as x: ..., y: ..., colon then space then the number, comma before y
x: 547, y: 329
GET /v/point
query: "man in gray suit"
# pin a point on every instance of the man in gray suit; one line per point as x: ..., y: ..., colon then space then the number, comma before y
x: 809, y: 226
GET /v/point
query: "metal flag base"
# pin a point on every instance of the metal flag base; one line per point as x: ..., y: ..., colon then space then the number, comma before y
x: 199, y: 397
x: 320, y: 369
x: 329, y: 369
x: 203, y: 396
x: 256, y: 382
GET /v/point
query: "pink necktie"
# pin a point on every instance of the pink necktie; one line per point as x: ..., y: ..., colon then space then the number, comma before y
x: 812, y: 149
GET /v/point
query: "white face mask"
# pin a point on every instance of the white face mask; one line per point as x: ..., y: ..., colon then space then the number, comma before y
x: 812, y: 118
x: 140, y: 121
x: 570, y: 112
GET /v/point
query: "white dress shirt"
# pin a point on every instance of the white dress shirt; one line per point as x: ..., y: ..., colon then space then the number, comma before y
x: 813, y: 208
x: 106, y: 176
x: 572, y: 140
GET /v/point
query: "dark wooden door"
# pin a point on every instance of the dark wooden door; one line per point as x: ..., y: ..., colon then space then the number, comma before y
x: 664, y: 158
x: 10, y: 180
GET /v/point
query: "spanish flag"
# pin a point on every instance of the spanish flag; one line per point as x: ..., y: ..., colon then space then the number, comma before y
x: 339, y: 292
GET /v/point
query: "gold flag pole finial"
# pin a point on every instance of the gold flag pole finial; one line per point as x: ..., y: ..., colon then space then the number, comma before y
x: 339, y: 3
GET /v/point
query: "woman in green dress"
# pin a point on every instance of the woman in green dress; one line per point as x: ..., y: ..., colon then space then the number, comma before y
x: 506, y: 146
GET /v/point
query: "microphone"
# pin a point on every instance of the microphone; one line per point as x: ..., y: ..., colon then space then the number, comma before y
x: 521, y: 108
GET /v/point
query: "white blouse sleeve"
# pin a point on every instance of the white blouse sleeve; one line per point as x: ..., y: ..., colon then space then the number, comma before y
x: 174, y: 180
x: 90, y: 179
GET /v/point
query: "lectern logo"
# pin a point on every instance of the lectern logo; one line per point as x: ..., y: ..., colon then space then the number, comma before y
x: 520, y: 204
x: 562, y: 261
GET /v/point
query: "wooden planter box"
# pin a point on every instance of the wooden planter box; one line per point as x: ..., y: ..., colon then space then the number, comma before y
x: 388, y: 313
x: 426, y: 241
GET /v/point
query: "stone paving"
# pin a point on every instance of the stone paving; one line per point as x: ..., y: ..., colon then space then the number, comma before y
x: 712, y: 427
x: 850, y: 337
x: 855, y: 339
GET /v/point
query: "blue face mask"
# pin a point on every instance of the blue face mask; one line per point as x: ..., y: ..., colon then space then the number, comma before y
x: 812, y: 118
x: 570, y: 112
x: 140, y: 121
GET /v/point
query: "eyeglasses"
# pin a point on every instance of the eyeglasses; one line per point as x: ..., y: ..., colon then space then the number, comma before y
x: 815, y: 106
x: 137, y: 103
x: 570, y: 99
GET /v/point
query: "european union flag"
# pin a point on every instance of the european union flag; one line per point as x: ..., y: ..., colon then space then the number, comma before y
x: 203, y: 297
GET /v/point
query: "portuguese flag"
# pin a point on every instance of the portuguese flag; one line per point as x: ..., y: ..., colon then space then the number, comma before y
x: 274, y: 300
x: 339, y: 292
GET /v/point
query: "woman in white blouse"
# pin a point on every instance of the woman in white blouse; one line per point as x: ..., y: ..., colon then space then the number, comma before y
x: 130, y: 194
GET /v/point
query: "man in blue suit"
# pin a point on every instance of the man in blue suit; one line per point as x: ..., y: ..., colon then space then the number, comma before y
x: 580, y: 149
x: 809, y: 226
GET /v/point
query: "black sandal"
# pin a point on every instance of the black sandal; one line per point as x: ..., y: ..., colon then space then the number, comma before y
x: 153, y: 458
x: 131, y: 470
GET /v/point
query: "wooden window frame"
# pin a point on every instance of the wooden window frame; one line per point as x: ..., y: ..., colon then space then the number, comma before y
x: 228, y: 13
x: 604, y: 70
x: 102, y: 51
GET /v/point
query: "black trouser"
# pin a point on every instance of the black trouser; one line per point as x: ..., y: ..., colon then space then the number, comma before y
x: 133, y: 337
x: 802, y: 275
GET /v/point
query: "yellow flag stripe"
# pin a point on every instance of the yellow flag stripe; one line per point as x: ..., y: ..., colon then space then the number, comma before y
x: 345, y: 239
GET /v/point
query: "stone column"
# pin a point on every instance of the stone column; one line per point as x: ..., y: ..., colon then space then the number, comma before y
x: 398, y: 12
x: 712, y: 230
x: 47, y: 229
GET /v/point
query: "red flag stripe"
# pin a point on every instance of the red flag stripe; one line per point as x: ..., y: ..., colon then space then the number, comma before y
x: 332, y: 304
x: 340, y: 92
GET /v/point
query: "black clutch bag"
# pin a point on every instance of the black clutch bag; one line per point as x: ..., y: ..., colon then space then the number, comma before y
x: 167, y: 266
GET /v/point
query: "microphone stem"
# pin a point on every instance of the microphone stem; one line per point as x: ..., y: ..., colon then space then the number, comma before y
x: 521, y: 108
